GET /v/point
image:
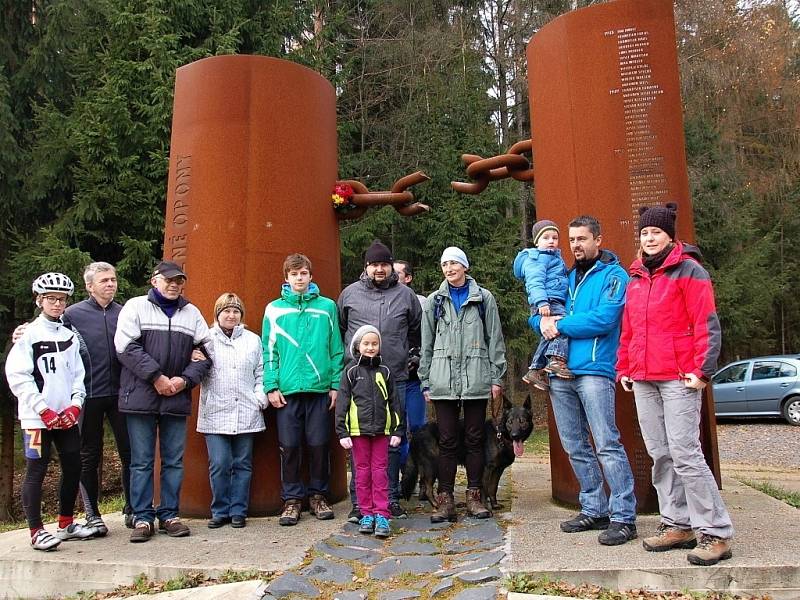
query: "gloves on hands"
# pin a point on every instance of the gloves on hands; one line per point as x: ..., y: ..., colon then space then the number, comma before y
x: 50, y: 419
x: 69, y: 416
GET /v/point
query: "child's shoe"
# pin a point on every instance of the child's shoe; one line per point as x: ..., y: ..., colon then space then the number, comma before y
x: 529, y: 377
x: 558, y: 367
x: 75, y: 531
x: 539, y: 379
x: 366, y: 524
x: 43, y: 540
x: 382, y: 529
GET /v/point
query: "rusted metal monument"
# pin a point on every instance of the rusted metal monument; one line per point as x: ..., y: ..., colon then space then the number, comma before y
x: 607, y: 137
x: 253, y: 160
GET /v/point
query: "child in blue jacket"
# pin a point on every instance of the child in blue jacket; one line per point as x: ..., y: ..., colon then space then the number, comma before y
x: 545, y: 275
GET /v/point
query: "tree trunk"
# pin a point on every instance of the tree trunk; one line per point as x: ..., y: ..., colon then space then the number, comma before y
x: 7, y: 432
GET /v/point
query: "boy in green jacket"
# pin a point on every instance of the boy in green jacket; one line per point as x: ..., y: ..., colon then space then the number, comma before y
x: 302, y: 367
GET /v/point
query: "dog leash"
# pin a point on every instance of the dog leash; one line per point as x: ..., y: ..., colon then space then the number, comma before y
x: 497, y: 412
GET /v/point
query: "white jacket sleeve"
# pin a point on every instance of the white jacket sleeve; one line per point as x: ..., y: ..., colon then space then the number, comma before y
x: 78, y: 388
x: 19, y: 373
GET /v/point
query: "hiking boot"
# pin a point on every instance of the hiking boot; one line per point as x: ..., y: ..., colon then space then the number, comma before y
x: 538, y: 379
x: 382, y: 529
x: 354, y: 516
x: 366, y: 524
x: 475, y: 507
x: 238, y: 521
x: 558, y: 367
x: 173, y: 527
x: 142, y: 531
x: 291, y: 512
x: 75, y: 531
x: 446, y: 508
x: 617, y: 533
x: 582, y: 522
x: 217, y: 522
x: 669, y: 537
x: 43, y: 540
x: 318, y: 506
x: 96, y: 523
x: 397, y: 511
x: 710, y: 550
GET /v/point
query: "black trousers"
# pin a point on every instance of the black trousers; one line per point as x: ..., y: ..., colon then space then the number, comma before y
x: 92, y: 434
x: 38, y: 444
x: 447, y: 413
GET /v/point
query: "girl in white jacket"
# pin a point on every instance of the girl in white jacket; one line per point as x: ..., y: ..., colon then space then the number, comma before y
x: 231, y: 402
x: 45, y: 372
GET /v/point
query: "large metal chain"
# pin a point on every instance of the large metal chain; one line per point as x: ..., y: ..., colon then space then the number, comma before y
x: 399, y: 197
x: 483, y: 170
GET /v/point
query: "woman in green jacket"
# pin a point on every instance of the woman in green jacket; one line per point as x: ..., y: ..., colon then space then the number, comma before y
x: 463, y: 362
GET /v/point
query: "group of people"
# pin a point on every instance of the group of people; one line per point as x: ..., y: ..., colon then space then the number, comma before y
x: 655, y: 331
x: 367, y: 364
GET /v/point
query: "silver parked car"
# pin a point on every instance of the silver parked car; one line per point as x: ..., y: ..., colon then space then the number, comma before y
x: 762, y: 386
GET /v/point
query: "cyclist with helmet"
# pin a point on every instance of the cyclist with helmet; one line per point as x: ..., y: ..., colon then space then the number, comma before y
x: 45, y: 372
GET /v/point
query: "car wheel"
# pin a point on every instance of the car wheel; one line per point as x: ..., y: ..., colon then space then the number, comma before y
x: 791, y: 410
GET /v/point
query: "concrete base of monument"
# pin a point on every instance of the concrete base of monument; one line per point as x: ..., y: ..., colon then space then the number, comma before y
x: 103, y: 564
x: 766, y: 549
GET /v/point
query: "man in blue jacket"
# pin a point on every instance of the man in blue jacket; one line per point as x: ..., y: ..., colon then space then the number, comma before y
x: 587, y: 403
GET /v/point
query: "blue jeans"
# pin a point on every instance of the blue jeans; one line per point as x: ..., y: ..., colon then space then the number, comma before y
x: 583, y: 405
x: 415, y: 415
x: 395, y: 457
x: 230, y: 467
x: 556, y: 347
x: 171, y: 433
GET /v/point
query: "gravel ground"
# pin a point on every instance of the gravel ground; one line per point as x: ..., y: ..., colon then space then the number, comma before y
x: 763, y: 442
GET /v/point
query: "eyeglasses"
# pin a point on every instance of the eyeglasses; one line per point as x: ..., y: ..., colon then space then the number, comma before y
x: 54, y: 300
x: 178, y: 280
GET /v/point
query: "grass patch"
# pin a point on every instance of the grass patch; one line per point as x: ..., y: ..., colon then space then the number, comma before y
x: 790, y: 498
x: 539, y: 443
x: 528, y: 584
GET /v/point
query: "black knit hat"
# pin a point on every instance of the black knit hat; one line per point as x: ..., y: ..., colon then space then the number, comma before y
x: 378, y: 253
x: 662, y: 217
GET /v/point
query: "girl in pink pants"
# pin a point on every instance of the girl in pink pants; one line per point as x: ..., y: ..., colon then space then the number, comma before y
x: 368, y: 421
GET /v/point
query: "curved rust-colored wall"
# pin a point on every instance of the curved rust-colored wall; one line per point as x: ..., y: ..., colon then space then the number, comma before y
x: 252, y: 165
x: 607, y: 132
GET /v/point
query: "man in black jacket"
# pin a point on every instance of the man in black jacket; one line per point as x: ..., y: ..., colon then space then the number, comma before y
x: 156, y: 335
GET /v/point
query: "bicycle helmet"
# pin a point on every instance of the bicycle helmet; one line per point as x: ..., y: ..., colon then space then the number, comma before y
x: 53, y: 282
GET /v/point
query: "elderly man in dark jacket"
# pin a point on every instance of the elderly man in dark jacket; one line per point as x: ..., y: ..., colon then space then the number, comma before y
x: 378, y: 299
x: 155, y: 337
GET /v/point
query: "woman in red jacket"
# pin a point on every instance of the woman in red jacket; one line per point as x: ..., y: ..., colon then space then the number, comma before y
x: 668, y: 350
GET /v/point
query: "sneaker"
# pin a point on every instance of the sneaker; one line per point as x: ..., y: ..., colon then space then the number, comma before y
x: 582, y: 522
x: 366, y: 524
x: 617, y: 533
x: 291, y: 513
x: 43, y: 540
x: 217, y: 522
x: 129, y: 520
x: 558, y: 367
x: 382, y: 529
x: 98, y: 525
x: 669, y: 537
x: 529, y: 377
x: 710, y: 550
x: 75, y: 531
x: 173, y: 527
x: 142, y: 531
x: 354, y: 516
x: 237, y: 522
x: 397, y: 511
x: 318, y: 506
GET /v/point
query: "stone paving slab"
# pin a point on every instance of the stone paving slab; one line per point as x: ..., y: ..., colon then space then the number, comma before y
x: 478, y: 593
x: 323, y: 569
x: 766, y: 558
x: 290, y: 584
x: 405, y: 564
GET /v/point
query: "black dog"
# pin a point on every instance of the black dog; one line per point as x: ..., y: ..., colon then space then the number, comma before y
x: 502, y: 446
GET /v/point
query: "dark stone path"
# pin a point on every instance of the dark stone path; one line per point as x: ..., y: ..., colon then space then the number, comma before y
x: 457, y: 561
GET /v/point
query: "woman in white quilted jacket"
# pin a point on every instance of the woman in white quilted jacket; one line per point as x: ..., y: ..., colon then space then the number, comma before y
x: 231, y: 403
